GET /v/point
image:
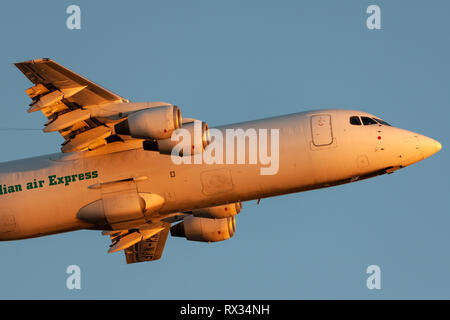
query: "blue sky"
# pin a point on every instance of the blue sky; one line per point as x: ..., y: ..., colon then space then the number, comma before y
x: 231, y: 61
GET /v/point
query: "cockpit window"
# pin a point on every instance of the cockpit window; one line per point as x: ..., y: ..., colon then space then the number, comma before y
x: 382, y: 122
x: 355, y: 121
x: 368, y: 121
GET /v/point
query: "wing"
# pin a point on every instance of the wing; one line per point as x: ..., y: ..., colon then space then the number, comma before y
x: 148, y: 250
x: 143, y: 244
x: 62, y: 96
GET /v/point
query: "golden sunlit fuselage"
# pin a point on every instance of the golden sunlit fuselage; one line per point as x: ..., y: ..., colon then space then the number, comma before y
x: 317, y: 149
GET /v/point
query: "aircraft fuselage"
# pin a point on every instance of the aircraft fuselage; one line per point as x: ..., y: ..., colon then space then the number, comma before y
x: 43, y: 195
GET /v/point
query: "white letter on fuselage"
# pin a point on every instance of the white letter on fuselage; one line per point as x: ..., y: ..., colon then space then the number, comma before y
x: 214, y: 151
x: 198, y: 157
x: 182, y: 147
x: 274, y: 158
x: 241, y: 136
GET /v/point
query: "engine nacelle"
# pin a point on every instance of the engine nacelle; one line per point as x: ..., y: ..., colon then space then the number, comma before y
x: 219, y: 212
x: 153, y: 123
x: 204, y: 229
x: 199, y: 139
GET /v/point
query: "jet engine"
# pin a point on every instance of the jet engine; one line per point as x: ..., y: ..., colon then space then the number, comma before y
x: 219, y: 212
x: 153, y: 123
x: 204, y: 229
x: 198, y: 132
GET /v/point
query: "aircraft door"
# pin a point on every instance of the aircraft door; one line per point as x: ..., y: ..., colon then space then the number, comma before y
x: 321, y: 130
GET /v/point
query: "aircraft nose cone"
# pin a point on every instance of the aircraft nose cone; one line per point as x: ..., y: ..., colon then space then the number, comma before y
x: 429, y: 146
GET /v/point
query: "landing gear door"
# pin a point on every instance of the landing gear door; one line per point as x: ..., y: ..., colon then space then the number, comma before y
x: 321, y: 130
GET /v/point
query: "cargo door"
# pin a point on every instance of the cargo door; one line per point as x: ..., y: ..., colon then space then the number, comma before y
x: 321, y: 130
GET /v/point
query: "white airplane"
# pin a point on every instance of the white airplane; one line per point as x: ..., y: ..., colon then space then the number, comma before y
x: 118, y: 172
